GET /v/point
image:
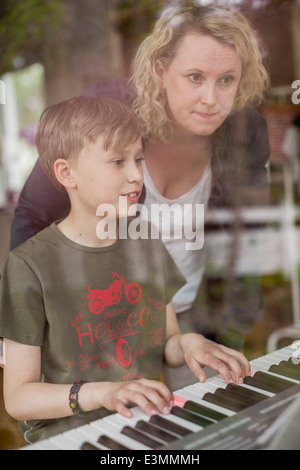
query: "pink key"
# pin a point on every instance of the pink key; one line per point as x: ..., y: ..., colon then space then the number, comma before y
x: 178, y: 400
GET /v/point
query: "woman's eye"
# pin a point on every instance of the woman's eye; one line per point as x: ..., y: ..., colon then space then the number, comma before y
x: 195, y: 77
x: 227, y: 80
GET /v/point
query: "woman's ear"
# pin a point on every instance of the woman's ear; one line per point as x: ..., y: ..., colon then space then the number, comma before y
x: 64, y: 173
x: 160, y: 70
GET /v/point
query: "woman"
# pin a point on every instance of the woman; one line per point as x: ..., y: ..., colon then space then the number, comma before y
x: 192, y: 79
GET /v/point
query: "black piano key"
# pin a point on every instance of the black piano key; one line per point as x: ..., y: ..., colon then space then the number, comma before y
x: 111, y: 443
x: 242, y: 402
x: 141, y: 437
x: 279, y: 382
x: 287, y: 369
x: 251, y: 395
x: 169, y: 425
x: 204, y: 411
x: 155, y: 431
x: 189, y: 416
x: 88, y: 446
x: 268, y: 382
x: 221, y: 401
x: 293, y: 361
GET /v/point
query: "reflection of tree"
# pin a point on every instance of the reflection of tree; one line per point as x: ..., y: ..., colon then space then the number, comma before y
x: 74, y: 40
x: 134, y: 20
x: 77, y: 42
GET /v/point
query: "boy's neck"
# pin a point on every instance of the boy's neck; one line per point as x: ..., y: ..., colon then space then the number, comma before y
x: 83, y: 231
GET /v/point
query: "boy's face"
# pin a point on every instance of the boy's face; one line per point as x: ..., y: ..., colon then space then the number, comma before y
x: 104, y: 177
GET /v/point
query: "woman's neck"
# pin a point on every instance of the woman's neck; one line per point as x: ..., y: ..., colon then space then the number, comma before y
x: 176, y: 167
x: 185, y: 145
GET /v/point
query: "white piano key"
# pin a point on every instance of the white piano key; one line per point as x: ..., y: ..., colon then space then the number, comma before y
x: 201, y: 389
x: 47, y: 444
x: 205, y: 387
x: 265, y: 362
x: 113, y: 431
x: 282, y: 356
x: 87, y: 433
x: 34, y: 446
x: 76, y: 436
x: 119, y: 420
x: 291, y: 348
x: 64, y: 442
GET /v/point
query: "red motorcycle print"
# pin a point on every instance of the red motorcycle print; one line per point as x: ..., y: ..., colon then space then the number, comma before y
x: 99, y: 299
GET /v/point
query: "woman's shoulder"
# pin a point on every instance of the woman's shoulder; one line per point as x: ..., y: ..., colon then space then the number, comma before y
x: 247, y: 116
x: 246, y: 127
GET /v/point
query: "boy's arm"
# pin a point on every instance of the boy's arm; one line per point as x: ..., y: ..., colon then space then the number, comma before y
x: 27, y: 398
x: 197, y: 352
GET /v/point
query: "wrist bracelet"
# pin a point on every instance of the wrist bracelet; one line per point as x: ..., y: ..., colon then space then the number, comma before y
x: 73, y: 398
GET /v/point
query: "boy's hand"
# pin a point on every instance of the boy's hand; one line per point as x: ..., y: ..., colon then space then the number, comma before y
x: 199, y: 352
x: 150, y: 395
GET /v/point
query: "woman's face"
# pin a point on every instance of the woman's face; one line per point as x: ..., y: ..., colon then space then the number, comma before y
x: 201, y: 83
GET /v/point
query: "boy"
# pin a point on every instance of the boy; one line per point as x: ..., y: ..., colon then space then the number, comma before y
x: 76, y: 306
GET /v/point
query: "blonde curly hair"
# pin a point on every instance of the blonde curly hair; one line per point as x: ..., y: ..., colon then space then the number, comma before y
x: 223, y: 23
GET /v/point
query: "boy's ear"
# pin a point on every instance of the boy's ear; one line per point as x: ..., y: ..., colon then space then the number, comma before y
x: 64, y: 173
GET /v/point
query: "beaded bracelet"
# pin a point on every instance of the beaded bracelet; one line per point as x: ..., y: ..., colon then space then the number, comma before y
x: 73, y: 398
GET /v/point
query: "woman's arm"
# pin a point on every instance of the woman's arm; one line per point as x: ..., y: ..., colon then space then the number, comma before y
x: 40, y: 204
x: 26, y: 398
x: 197, y: 352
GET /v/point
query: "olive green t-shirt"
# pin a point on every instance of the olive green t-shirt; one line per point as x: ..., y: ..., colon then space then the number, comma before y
x: 98, y: 314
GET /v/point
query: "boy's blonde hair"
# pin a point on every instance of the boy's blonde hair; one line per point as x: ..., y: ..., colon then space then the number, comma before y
x: 223, y: 23
x: 66, y: 127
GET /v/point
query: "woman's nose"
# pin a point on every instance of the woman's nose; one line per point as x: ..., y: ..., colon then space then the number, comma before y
x: 208, y: 94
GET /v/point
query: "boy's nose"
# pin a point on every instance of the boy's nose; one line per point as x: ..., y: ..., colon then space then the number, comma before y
x: 135, y: 173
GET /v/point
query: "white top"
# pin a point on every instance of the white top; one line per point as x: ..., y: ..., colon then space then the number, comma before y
x: 176, y: 233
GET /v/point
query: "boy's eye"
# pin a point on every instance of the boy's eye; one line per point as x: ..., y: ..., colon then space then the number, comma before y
x: 118, y: 161
x: 139, y: 160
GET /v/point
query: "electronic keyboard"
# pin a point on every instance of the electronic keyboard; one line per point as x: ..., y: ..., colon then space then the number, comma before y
x: 210, y: 415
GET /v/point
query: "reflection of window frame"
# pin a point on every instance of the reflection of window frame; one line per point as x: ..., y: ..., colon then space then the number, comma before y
x: 2, y: 352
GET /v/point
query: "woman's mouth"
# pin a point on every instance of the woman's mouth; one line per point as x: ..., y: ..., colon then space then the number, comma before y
x: 205, y: 115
